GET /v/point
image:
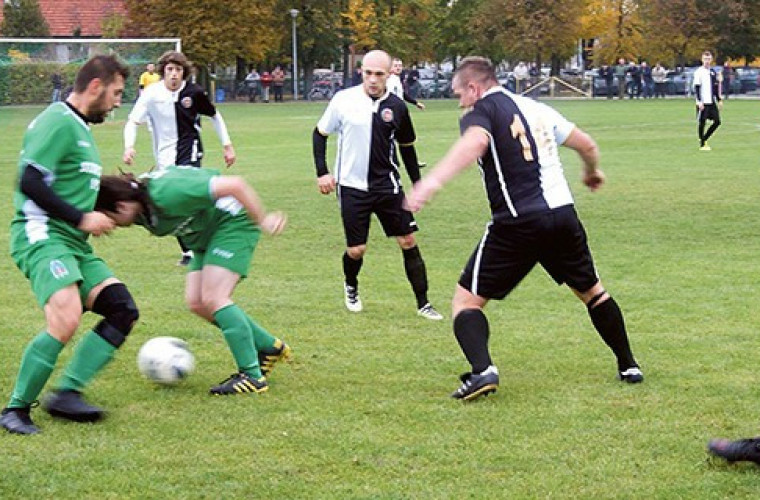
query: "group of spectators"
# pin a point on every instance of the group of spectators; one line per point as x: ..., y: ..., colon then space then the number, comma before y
x: 634, y: 80
x: 259, y: 84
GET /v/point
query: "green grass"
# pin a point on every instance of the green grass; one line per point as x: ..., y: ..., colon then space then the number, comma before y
x: 363, y: 411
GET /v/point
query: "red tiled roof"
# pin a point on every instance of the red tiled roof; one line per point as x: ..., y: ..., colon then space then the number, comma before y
x: 65, y: 16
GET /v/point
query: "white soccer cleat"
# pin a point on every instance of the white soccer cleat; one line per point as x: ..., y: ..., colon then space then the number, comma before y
x: 428, y: 312
x: 353, y: 302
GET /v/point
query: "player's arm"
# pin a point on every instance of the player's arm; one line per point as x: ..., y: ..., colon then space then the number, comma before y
x: 412, y: 100
x: 472, y: 145
x: 137, y: 116
x: 221, y: 186
x: 409, y: 156
x: 325, y: 181
x: 34, y: 187
x: 224, y: 137
x: 586, y: 147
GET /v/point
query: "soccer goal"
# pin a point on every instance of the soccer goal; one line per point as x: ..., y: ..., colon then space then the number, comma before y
x: 32, y: 68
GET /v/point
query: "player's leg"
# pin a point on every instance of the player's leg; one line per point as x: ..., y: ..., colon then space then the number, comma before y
x: 217, y: 285
x: 714, y: 115
x: 109, y: 298
x: 355, y: 211
x: 701, y: 122
x: 400, y: 224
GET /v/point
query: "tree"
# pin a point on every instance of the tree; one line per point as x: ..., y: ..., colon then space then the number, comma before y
x: 616, y: 26
x: 737, y: 27
x: 23, y: 19
x: 453, y: 33
x: 676, y: 31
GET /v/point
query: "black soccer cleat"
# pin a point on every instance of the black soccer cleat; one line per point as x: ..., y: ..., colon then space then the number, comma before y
x: 267, y: 359
x: 632, y: 375
x: 70, y: 404
x: 744, y: 450
x: 240, y: 383
x: 475, y: 385
x: 18, y: 421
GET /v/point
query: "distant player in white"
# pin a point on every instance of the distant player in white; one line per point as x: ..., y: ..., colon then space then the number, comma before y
x: 707, y: 92
x: 173, y: 110
x: 396, y: 87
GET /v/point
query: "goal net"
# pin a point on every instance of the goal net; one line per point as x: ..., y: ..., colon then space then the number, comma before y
x: 30, y: 68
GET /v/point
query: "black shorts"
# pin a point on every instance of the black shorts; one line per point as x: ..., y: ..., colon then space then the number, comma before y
x: 509, y: 250
x: 357, y: 206
x: 710, y: 112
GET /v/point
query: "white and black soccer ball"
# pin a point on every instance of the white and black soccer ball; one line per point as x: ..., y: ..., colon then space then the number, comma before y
x: 165, y: 360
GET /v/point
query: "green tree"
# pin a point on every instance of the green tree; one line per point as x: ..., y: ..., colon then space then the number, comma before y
x: 737, y: 28
x: 23, y: 18
x: 675, y: 32
x: 616, y: 26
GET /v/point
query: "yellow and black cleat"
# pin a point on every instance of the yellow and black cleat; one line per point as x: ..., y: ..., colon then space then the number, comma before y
x: 240, y: 383
x: 280, y: 352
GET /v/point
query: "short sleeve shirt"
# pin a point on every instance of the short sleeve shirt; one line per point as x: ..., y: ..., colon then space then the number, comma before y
x: 58, y: 143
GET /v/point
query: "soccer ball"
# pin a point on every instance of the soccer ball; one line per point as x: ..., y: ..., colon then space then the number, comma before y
x: 165, y: 360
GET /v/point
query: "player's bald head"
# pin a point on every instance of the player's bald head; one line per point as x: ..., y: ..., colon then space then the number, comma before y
x: 377, y: 59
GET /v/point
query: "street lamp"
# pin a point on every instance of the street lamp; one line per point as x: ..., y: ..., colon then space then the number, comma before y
x: 294, y: 15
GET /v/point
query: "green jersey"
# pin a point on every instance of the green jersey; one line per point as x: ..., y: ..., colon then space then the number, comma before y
x: 182, y: 204
x: 58, y: 143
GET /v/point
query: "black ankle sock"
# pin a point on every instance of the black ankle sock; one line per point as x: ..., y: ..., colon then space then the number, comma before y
x: 608, y: 321
x: 416, y: 274
x: 351, y: 268
x: 471, y: 331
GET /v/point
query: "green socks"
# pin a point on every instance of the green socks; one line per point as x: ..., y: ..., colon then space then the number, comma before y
x: 263, y: 339
x: 37, y: 364
x: 91, y: 355
x: 237, y: 330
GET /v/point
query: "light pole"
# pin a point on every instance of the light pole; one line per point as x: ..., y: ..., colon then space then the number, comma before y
x: 294, y: 15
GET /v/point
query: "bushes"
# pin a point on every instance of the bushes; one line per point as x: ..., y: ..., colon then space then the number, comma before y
x: 31, y: 82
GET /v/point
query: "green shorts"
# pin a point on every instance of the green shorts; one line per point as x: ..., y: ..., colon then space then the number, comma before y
x: 231, y: 247
x: 52, y: 266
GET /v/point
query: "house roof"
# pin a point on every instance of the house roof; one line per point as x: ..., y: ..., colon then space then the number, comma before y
x: 65, y: 16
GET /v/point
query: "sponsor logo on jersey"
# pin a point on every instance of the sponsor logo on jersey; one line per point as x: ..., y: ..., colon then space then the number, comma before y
x: 83, y: 144
x: 387, y: 115
x: 225, y: 254
x: 58, y: 269
x: 90, y: 168
x: 186, y: 102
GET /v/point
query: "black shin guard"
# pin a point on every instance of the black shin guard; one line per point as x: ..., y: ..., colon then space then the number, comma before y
x: 608, y: 321
x: 351, y: 268
x: 119, y: 313
x: 471, y: 331
x: 416, y: 274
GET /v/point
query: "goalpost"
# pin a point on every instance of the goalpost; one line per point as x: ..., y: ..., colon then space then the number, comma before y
x: 29, y: 66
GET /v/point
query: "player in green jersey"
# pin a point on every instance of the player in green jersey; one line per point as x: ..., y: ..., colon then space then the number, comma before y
x: 59, y: 178
x: 219, y: 218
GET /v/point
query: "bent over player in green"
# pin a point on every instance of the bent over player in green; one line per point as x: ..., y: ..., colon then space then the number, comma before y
x: 220, y: 219
x: 59, y: 178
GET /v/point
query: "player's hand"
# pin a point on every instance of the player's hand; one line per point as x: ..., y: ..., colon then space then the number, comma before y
x: 129, y: 155
x: 720, y: 104
x: 594, y: 180
x: 274, y: 223
x: 326, y: 184
x: 229, y: 155
x: 96, y: 223
x: 420, y: 106
x: 421, y: 193
x: 700, y: 106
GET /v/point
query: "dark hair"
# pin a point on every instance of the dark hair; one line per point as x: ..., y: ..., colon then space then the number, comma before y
x: 172, y: 56
x: 476, y: 68
x: 116, y: 188
x: 104, y: 68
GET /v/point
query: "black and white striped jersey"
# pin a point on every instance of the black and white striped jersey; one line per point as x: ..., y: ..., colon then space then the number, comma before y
x: 175, y: 121
x: 368, y: 131
x: 706, y: 85
x: 521, y: 170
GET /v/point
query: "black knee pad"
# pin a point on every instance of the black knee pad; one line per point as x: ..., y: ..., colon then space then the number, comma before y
x: 119, y: 313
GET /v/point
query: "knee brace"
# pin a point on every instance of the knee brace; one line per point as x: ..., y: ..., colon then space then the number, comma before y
x: 119, y: 313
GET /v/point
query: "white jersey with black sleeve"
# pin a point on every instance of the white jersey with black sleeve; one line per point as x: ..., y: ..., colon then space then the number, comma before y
x: 368, y: 132
x: 522, y: 171
x: 706, y: 85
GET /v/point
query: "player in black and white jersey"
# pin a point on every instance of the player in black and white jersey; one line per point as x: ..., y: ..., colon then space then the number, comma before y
x: 173, y: 110
x: 396, y: 87
x: 707, y: 93
x: 370, y: 120
x: 515, y: 141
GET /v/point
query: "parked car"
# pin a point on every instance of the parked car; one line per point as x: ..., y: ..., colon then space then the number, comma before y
x: 677, y: 82
x: 434, y: 84
x: 747, y: 78
x: 598, y: 84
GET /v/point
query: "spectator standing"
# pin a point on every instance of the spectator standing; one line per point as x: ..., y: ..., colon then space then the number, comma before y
x: 620, y: 73
x: 521, y: 77
x: 266, y: 83
x: 252, y: 82
x: 356, y: 76
x: 278, y: 82
x: 57, y: 82
x: 634, y: 73
x: 728, y: 79
x: 659, y: 76
x: 647, y: 80
x: 413, y: 82
x: 607, y: 74
x: 148, y: 78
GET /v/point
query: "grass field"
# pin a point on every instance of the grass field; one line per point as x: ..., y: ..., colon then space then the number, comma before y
x: 363, y: 411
